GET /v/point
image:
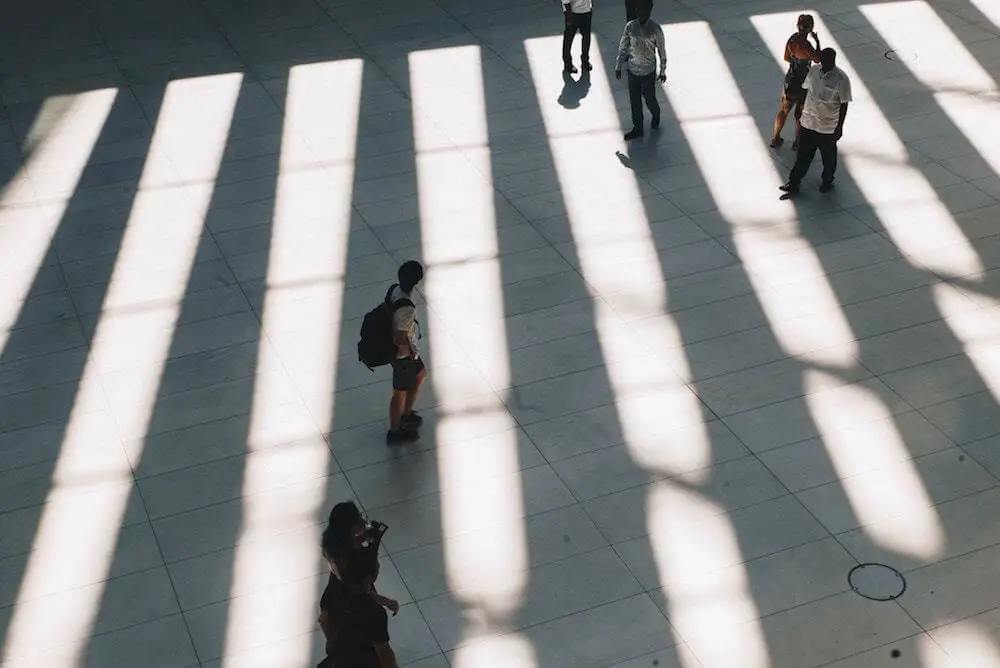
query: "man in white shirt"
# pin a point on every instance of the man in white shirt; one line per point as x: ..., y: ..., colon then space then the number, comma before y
x: 641, y: 43
x: 578, y: 15
x: 828, y: 93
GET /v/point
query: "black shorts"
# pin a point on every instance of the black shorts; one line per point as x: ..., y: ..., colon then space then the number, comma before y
x: 405, y: 371
x: 793, y: 95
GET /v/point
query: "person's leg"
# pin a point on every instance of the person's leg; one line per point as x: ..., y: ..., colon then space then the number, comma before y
x: 799, y: 101
x: 779, y: 120
x: 828, y: 152
x: 585, y: 26
x: 568, y: 33
x: 404, y: 375
x: 409, y: 417
x: 649, y: 94
x: 635, y: 102
x: 807, y: 151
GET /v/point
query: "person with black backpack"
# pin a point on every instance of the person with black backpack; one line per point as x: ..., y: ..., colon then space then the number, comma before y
x: 389, y: 336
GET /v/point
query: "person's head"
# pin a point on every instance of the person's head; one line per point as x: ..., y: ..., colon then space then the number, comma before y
x: 805, y: 24
x: 410, y: 273
x: 345, y: 524
x: 828, y: 59
x: 643, y: 9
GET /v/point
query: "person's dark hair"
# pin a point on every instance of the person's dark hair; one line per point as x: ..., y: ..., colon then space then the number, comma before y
x: 828, y: 56
x: 805, y: 22
x: 410, y: 273
x: 338, y: 536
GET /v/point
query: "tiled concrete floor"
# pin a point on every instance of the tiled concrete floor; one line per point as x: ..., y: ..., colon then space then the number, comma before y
x: 667, y: 413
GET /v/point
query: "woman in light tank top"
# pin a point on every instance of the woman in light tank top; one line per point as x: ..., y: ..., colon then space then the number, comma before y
x: 799, y: 54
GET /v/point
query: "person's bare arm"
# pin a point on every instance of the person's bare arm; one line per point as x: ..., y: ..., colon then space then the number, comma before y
x: 386, y: 657
x: 326, y: 625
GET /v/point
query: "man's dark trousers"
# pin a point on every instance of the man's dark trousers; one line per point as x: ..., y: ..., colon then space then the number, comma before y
x: 630, y: 13
x: 642, y: 87
x: 577, y: 23
x: 811, y: 141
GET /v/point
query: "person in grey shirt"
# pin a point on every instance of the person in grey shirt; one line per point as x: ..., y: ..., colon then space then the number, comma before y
x: 641, y: 43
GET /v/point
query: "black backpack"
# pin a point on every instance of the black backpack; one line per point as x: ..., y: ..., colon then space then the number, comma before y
x: 377, y: 346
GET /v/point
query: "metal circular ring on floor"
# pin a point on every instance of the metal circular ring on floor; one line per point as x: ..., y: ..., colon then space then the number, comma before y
x: 900, y: 56
x: 877, y: 571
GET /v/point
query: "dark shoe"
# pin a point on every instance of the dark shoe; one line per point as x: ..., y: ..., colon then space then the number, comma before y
x: 826, y: 186
x: 404, y: 434
x: 414, y: 419
x: 655, y: 122
x: 789, y: 190
x: 586, y: 65
x: 634, y: 133
x: 777, y: 142
x: 568, y: 68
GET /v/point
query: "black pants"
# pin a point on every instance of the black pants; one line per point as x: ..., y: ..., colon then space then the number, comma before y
x: 642, y: 88
x: 630, y: 13
x: 809, y: 142
x: 577, y: 23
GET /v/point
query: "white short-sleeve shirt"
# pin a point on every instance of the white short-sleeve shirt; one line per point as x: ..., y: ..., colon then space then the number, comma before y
x: 826, y: 92
x: 579, y: 6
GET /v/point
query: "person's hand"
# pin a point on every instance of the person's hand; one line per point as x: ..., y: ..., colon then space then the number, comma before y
x: 837, y: 134
x: 663, y: 78
x: 618, y: 75
x: 392, y: 605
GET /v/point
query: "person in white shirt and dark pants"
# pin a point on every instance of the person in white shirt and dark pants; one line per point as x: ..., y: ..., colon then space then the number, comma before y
x: 828, y: 92
x: 640, y: 45
x: 578, y: 15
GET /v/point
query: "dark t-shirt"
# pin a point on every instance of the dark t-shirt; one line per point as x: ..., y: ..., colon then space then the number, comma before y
x: 358, y: 622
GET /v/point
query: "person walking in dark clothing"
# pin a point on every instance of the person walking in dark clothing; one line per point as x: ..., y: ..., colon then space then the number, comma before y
x: 578, y: 14
x: 799, y: 54
x: 823, y: 115
x: 641, y: 43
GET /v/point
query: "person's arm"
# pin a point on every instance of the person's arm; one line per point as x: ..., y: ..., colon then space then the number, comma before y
x: 845, y: 98
x: 624, y: 48
x: 386, y: 657
x: 566, y: 7
x: 326, y: 625
x: 661, y: 49
x: 406, y: 331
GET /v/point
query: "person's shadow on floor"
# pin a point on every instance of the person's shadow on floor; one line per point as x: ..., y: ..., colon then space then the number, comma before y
x: 574, y: 90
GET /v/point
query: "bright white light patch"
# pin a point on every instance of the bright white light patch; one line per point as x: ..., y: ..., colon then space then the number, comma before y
x: 977, y: 329
x: 94, y: 510
x: 698, y: 556
x: 746, y: 191
x: 487, y: 560
x: 26, y: 232
x: 894, y: 492
x: 582, y: 158
x: 905, y: 202
x: 312, y: 212
x: 963, y: 89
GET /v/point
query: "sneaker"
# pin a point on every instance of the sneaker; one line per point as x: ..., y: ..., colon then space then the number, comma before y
x: 414, y: 419
x: 777, y: 142
x: 656, y: 122
x: 402, y: 435
x: 570, y: 69
x: 634, y: 133
x: 826, y: 186
x: 586, y: 65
